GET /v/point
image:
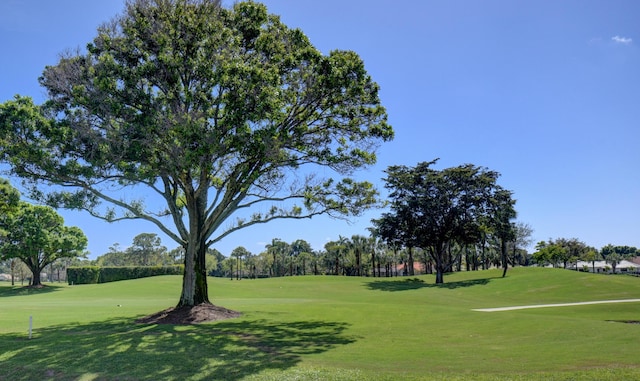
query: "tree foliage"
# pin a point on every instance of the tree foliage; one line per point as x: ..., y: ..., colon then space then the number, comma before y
x: 614, y: 254
x: 210, y: 110
x: 238, y: 253
x: 146, y: 250
x: 549, y: 253
x: 562, y: 251
x: 37, y: 236
x: 432, y: 209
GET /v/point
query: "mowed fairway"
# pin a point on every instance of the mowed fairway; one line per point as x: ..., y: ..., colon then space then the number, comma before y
x: 331, y: 328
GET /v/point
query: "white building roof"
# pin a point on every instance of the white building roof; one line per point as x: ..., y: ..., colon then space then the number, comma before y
x: 604, y: 264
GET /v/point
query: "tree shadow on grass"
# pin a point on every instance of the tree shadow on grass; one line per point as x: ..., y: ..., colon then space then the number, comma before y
x: 416, y: 283
x: 27, y: 290
x: 123, y: 350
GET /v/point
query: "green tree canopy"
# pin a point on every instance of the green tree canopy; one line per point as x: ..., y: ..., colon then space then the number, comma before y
x: 37, y: 236
x: 433, y: 208
x: 560, y: 251
x: 147, y: 248
x: 238, y: 253
x: 213, y: 111
x: 616, y: 254
x: 9, y: 201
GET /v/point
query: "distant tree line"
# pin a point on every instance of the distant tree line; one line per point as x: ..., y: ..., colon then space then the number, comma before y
x: 562, y: 252
x: 360, y: 255
x: 411, y: 238
x: 147, y: 250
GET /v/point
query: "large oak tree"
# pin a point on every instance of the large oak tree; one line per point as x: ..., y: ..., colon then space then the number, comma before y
x: 211, y: 110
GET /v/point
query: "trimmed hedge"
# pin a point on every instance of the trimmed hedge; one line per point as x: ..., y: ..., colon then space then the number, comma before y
x: 83, y: 275
x: 95, y: 274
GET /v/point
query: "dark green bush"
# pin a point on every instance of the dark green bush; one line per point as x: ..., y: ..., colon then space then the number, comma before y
x: 83, y: 275
x: 94, y: 274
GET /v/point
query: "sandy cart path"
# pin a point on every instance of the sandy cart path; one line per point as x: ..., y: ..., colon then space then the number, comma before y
x: 555, y: 305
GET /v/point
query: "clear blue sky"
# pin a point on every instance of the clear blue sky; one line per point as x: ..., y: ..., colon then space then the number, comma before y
x: 545, y: 92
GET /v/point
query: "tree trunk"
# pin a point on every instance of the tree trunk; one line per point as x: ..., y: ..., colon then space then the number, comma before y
x: 188, y: 278
x: 505, y: 261
x: 411, y: 270
x: 35, y: 281
x: 483, y: 256
x: 439, y: 276
x: 275, y: 265
x: 202, y: 290
x: 474, y: 257
x: 450, y: 261
x: 440, y: 269
x: 467, y: 258
x: 373, y: 262
x: 438, y: 255
x: 194, y: 280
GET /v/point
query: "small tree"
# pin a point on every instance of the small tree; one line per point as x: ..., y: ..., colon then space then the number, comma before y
x: 591, y: 255
x: 278, y: 249
x: 296, y: 250
x: 614, y: 260
x: 147, y: 249
x: 615, y: 254
x: 37, y: 236
x: 359, y: 245
x: 522, y: 239
x: 9, y: 202
x: 238, y: 253
x: 335, y: 253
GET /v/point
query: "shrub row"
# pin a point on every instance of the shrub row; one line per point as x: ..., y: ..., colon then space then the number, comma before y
x: 96, y: 274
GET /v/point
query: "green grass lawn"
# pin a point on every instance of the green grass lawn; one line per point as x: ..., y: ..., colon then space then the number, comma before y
x: 330, y: 328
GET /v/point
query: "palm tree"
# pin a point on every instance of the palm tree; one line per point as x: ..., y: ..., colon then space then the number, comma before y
x: 614, y: 260
x: 336, y: 250
x: 359, y: 245
x: 238, y: 253
x: 277, y: 248
x: 295, y: 250
x: 316, y: 258
x: 591, y: 255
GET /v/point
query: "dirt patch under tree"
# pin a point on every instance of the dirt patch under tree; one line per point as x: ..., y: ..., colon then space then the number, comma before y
x: 186, y: 315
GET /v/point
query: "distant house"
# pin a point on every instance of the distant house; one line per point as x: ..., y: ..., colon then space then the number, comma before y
x: 603, y: 267
x: 403, y: 268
